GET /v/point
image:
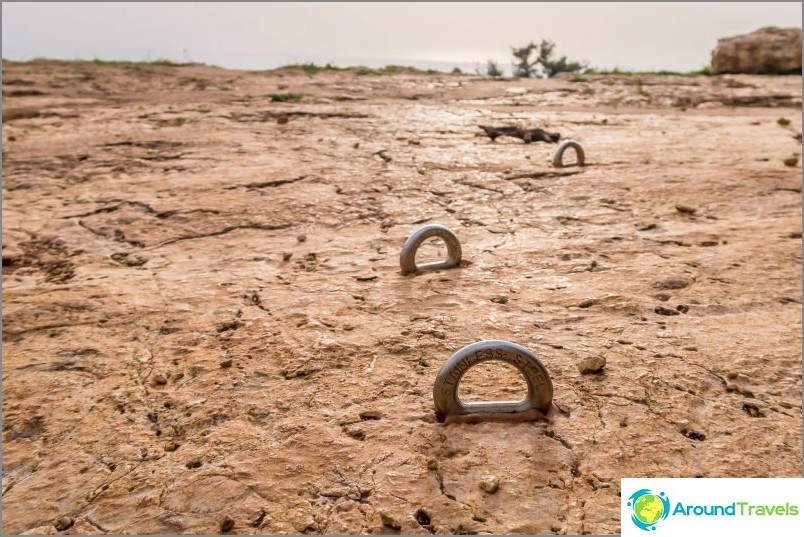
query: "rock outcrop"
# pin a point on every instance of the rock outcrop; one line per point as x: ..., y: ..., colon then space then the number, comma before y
x: 765, y: 51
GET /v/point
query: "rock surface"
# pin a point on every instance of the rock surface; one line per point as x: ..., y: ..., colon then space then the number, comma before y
x: 768, y: 50
x: 298, y: 388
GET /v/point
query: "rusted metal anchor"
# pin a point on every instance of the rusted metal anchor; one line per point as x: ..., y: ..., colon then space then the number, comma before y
x: 535, y: 405
x: 558, y: 157
x: 407, y: 259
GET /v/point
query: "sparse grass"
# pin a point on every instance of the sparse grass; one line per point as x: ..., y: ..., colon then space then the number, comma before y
x: 642, y: 92
x: 395, y: 70
x: 704, y: 71
x: 204, y: 110
x: 197, y: 83
x: 578, y: 78
x: 310, y: 68
x: 285, y: 97
x: 139, y: 69
x: 179, y: 121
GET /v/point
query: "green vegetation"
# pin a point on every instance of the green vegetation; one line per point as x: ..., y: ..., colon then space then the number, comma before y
x: 179, y: 121
x: 642, y: 92
x: 492, y: 69
x: 310, y: 68
x: 395, y: 70
x: 204, y: 110
x: 578, y: 78
x: 704, y: 71
x: 197, y: 83
x: 285, y: 97
x: 544, y: 64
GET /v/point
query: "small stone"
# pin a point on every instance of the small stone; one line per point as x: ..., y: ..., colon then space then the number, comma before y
x: 370, y: 415
x: 159, y: 380
x: 355, y: 432
x: 389, y: 521
x: 227, y: 524
x: 226, y: 364
x: 792, y: 161
x: 661, y: 310
x: 671, y: 283
x: 171, y: 446
x: 592, y: 365
x: 783, y: 121
x: 686, y: 209
x: 301, y: 238
x: 286, y: 256
x: 63, y: 523
x: 490, y: 484
x: 502, y: 299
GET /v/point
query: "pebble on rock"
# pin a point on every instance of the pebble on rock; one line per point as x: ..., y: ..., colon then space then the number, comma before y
x: 63, y: 523
x: 227, y: 524
x: 490, y: 484
x: 159, y: 380
x: 389, y: 521
x: 686, y: 209
x: 591, y: 365
x: 355, y: 432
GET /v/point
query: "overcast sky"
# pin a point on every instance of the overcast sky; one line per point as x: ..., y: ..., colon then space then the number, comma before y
x: 634, y: 36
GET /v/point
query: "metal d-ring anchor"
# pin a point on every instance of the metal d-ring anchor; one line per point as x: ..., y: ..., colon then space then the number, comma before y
x: 407, y: 259
x: 558, y: 157
x: 540, y: 387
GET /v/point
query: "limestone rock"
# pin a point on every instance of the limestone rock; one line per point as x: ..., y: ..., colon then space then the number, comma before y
x: 490, y: 484
x: 767, y: 50
x: 592, y: 364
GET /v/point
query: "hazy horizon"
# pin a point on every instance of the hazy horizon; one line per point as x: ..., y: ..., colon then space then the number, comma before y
x: 630, y: 36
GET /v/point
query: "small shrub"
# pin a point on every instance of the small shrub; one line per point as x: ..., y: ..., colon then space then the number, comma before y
x: 179, y: 121
x: 492, y: 69
x: 545, y: 63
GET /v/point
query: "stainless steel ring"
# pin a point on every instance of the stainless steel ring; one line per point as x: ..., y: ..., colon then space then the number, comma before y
x: 445, y: 391
x: 407, y: 259
x: 558, y: 157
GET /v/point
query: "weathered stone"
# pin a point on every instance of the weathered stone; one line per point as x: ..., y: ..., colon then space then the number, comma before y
x: 592, y: 364
x: 490, y: 484
x: 767, y: 50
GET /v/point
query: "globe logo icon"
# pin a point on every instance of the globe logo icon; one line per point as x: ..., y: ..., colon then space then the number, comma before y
x: 648, y: 508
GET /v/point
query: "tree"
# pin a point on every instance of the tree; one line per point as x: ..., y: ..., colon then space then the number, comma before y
x: 544, y: 64
x: 492, y: 69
